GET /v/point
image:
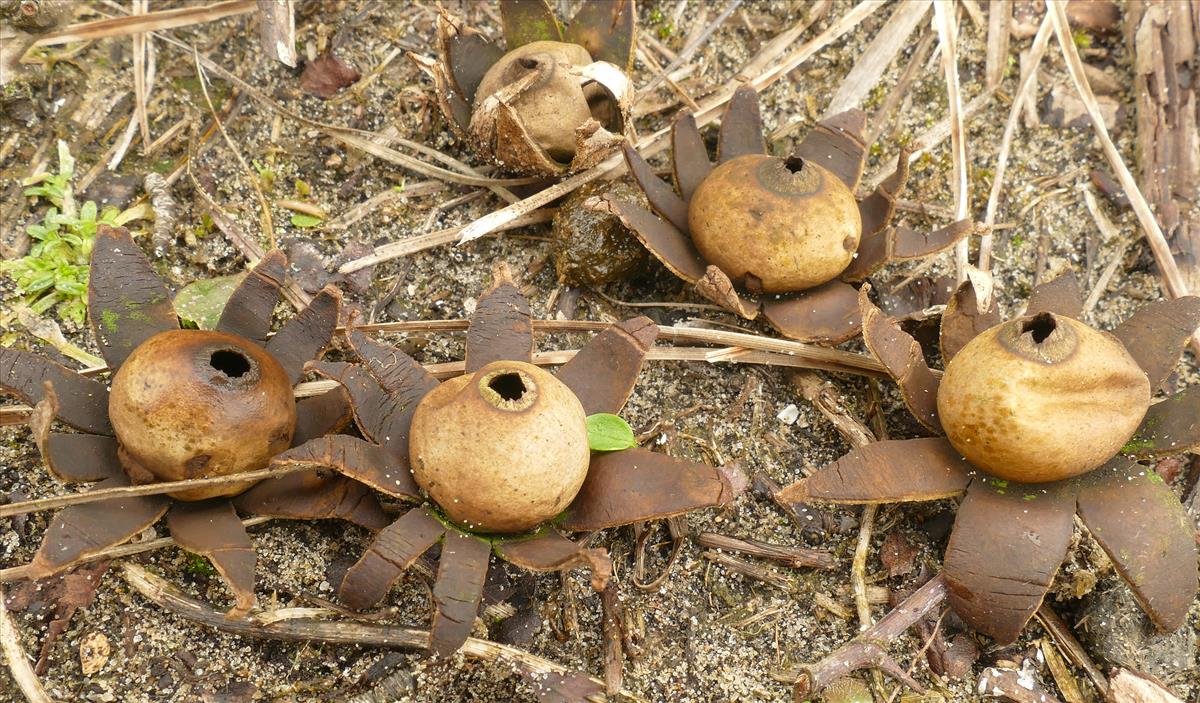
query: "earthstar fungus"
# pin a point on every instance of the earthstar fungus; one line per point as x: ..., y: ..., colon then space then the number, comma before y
x: 1053, y: 415
x: 490, y: 460
x: 184, y: 404
x: 553, y: 100
x: 789, y: 232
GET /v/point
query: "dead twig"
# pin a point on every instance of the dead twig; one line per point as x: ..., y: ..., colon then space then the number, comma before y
x: 947, y: 30
x: 1065, y: 639
x: 868, y: 648
x: 795, y: 557
x: 879, y: 54
x: 21, y: 573
x: 148, y: 22
x: 163, y: 594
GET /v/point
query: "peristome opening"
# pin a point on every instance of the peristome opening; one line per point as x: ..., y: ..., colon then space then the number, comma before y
x: 508, y: 386
x: 1041, y: 326
x: 230, y: 363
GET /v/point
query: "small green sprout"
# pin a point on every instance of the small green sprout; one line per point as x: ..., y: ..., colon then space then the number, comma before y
x: 609, y: 433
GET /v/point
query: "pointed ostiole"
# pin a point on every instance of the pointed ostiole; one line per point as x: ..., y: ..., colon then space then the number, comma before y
x: 249, y: 310
x: 605, y: 28
x: 127, y: 302
x: 213, y: 530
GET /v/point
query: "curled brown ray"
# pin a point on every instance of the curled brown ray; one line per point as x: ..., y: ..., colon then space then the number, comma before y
x: 501, y: 327
x: 457, y: 590
x: 381, y: 417
x: 212, y: 530
x: 305, y: 336
x: 905, y: 361
x: 670, y: 246
x: 1156, y: 334
x: 605, y: 28
x: 717, y: 287
x: 357, y: 458
x: 314, y: 495
x: 392, y: 551
x: 397, y: 372
x: 1171, y: 426
x: 962, y: 320
x: 662, y: 197
x: 550, y: 551
x: 1008, y: 541
x: 1147, y: 534
x: 467, y: 55
x: 250, y: 309
x: 127, y: 302
x: 891, y: 471
x: 876, y: 210
x: 837, y: 144
x: 635, y: 484
x: 80, y: 531
x: 527, y: 21
x: 689, y: 156
x: 741, y: 127
x: 449, y: 98
x: 323, y: 414
x: 80, y: 458
x: 1060, y: 296
x: 827, y: 314
x: 82, y: 402
x: 604, y: 372
x: 901, y: 243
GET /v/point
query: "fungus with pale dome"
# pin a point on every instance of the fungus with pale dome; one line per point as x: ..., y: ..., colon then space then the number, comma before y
x: 1037, y: 420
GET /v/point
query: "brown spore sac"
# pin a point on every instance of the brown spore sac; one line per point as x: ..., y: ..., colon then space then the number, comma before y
x: 195, y: 404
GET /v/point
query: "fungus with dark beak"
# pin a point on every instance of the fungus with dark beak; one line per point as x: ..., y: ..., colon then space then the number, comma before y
x: 554, y: 101
x: 1044, y: 418
x: 786, y: 238
x: 185, y: 404
x: 498, y: 461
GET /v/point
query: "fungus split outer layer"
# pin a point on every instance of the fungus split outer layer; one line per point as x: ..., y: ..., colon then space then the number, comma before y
x: 1010, y: 536
x: 401, y: 410
x: 185, y: 403
x: 790, y: 233
x: 551, y: 101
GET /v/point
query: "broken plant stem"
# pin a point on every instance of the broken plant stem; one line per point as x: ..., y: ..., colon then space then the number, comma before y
x: 869, y: 648
x: 23, y: 572
x: 943, y: 13
x: 18, y: 663
x: 792, y: 556
x: 165, y: 595
x: 1065, y: 639
x: 149, y: 489
x: 148, y: 22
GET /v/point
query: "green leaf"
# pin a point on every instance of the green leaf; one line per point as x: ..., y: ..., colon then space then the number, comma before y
x: 299, y: 219
x: 609, y: 433
x: 201, y: 302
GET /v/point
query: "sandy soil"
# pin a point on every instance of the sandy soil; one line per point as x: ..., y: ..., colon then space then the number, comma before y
x: 706, y: 634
